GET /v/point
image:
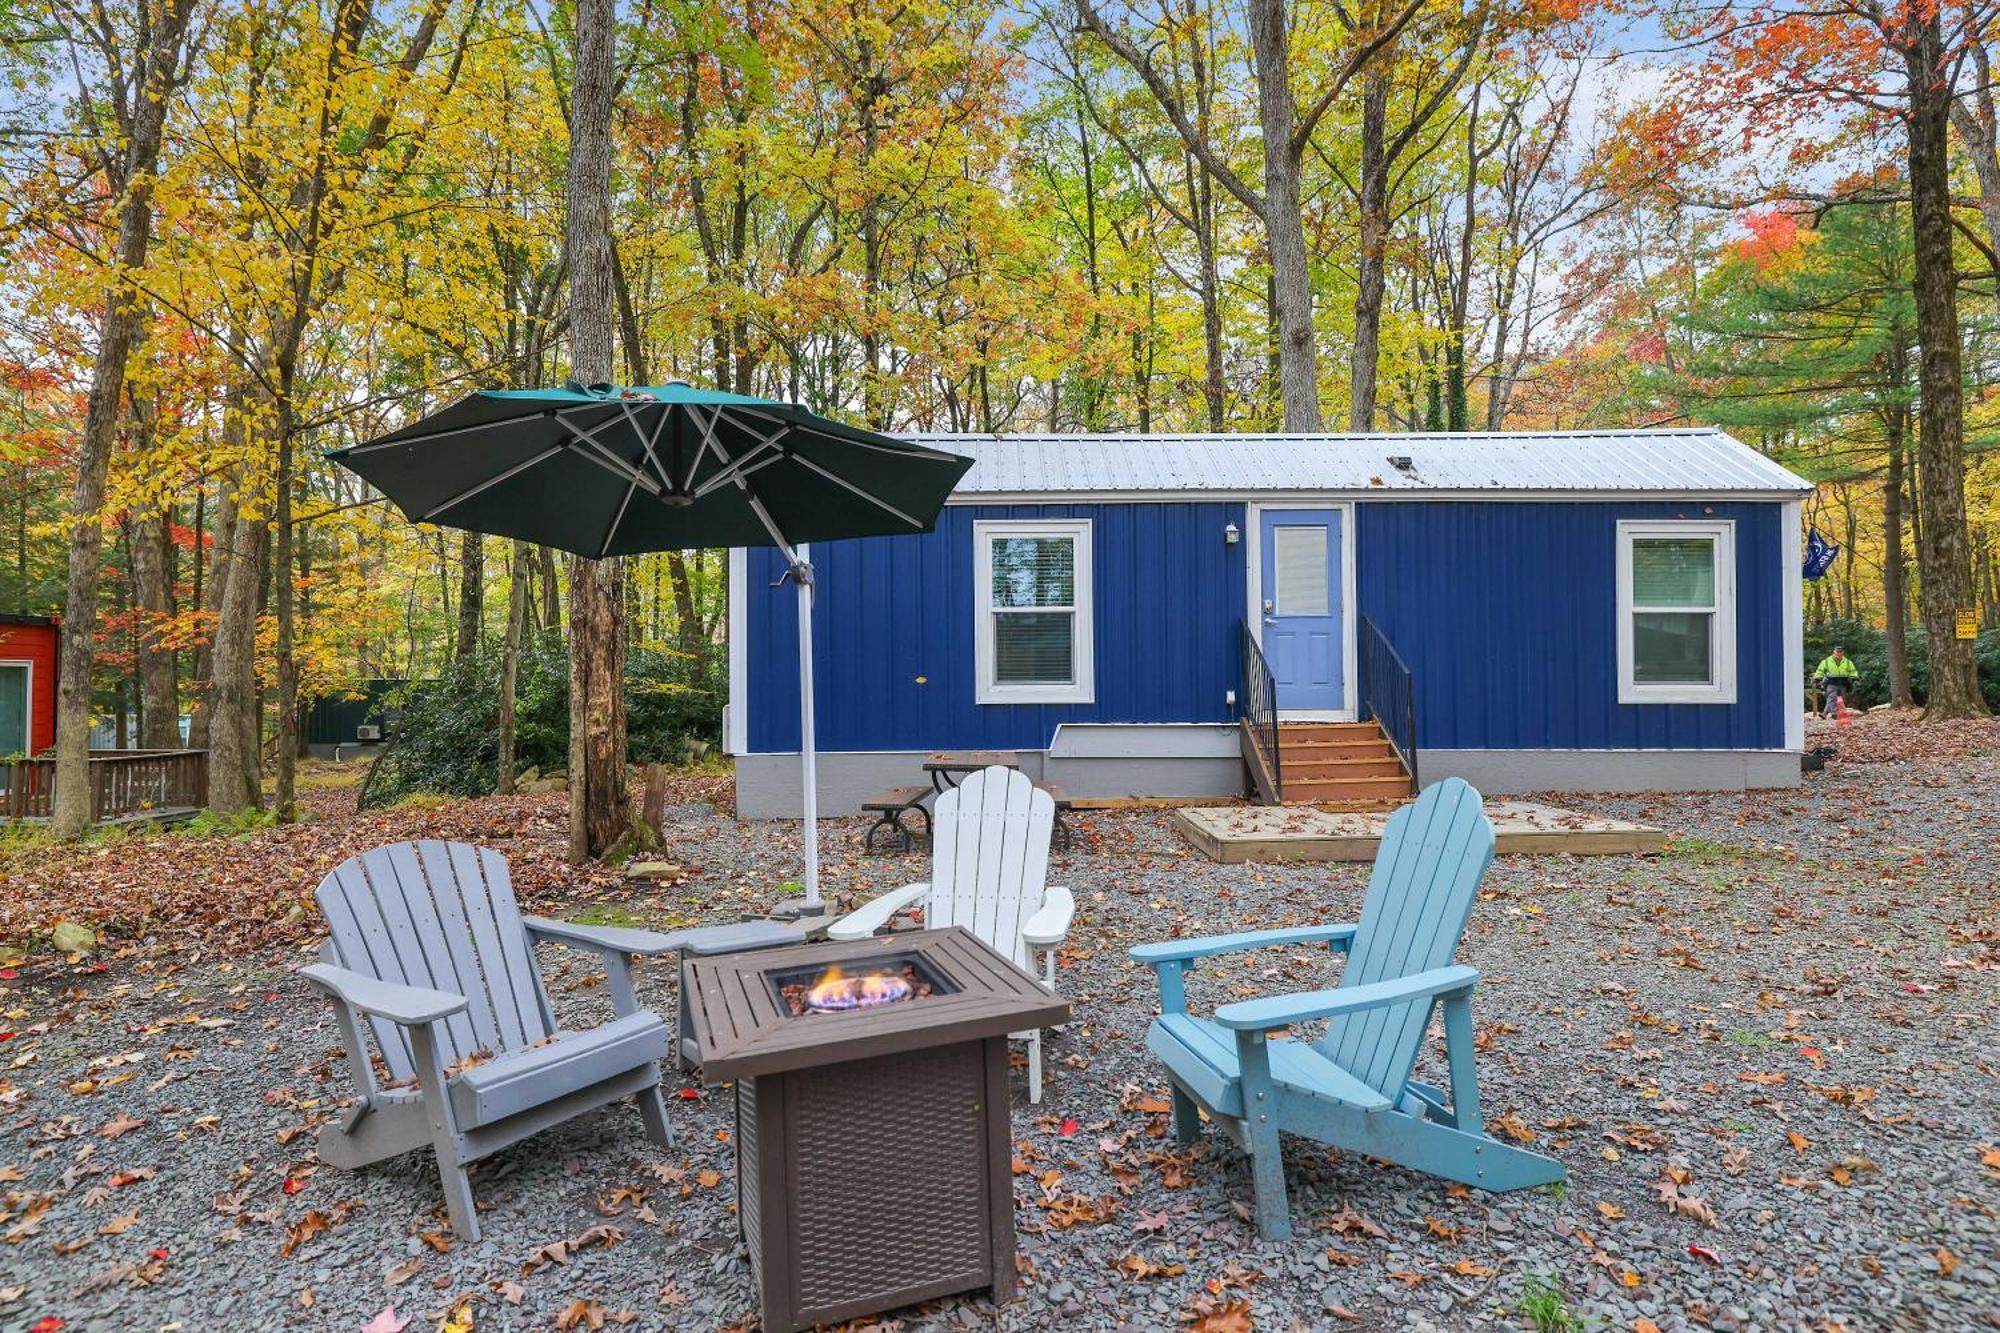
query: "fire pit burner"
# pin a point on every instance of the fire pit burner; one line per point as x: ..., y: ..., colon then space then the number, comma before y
x: 833, y: 989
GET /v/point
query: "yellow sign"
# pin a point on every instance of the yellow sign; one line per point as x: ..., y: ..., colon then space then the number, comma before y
x: 1968, y: 624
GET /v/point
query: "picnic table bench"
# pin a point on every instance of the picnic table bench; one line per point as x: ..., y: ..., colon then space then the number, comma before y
x: 891, y: 806
x: 945, y: 769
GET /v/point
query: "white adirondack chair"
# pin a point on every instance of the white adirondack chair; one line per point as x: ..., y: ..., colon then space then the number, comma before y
x: 989, y: 872
x: 428, y: 945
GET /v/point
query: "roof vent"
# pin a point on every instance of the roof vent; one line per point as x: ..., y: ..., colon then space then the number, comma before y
x: 1402, y: 463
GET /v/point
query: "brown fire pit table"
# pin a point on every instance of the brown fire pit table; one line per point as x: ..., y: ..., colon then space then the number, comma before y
x: 874, y: 1152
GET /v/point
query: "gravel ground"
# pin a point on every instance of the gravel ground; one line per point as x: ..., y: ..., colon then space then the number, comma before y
x: 1768, y: 1059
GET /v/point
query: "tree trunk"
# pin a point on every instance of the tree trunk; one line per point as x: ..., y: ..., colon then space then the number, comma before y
x: 1284, y: 224
x: 551, y: 590
x: 1212, y: 389
x: 1944, y: 554
x: 159, y: 706
x: 597, y: 799
x: 284, y: 592
x: 234, y: 782
x: 155, y: 67
x: 1372, y: 248
x: 209, y: 591
x: 688, y: 635
x: 1894, y: 597
x: 1978, y: 125
x: 510, y: 663
x: 471, y: 592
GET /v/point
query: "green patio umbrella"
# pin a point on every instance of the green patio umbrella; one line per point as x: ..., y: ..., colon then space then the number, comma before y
x: 605, y: 471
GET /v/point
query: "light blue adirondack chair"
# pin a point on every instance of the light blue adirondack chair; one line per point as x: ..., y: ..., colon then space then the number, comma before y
x: 1352, y: 1088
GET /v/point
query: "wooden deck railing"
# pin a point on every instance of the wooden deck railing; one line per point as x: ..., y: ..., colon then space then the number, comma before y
x: 1257, y: 714
x: 124, y: 784
x: 1389, y: 695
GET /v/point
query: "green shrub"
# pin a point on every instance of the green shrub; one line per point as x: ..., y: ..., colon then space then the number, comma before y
x: 210, y: 824
x: 1542, y: 1304
x: 1868, y: 646
x: 447, y: 739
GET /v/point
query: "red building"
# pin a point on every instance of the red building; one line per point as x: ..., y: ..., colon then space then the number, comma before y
x: 27, y: 684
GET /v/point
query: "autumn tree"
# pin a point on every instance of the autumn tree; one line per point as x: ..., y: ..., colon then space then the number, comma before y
x: 1902, y: 65
x: 597, y: 778
x: 135, y: 59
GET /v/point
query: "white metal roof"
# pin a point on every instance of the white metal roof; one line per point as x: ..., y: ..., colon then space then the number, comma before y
x: 1696, y: 461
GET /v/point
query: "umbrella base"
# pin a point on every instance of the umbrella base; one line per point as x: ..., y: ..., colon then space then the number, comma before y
x: 797, y: 911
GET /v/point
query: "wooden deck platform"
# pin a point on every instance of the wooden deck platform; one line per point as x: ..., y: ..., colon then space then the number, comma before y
x: 1301, y: 833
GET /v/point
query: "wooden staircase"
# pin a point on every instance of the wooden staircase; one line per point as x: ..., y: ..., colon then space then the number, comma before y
x: 1344, y: 765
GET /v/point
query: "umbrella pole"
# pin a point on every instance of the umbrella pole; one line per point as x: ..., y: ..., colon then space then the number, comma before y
x: 802, y: 575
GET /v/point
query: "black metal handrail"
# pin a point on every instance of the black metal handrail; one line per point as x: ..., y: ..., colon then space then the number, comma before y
x: 1389, y: 695
x: 1257, y: 705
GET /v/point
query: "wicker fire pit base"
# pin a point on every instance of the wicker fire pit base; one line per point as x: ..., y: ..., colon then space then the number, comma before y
x: 873, y: 1145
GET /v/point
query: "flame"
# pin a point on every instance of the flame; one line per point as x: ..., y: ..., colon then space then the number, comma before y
x: 835, y: 990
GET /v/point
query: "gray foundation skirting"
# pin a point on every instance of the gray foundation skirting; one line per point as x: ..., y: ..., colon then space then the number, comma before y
x: 767, y: 785
x: 1512, y: 772
x: 1202, y: 761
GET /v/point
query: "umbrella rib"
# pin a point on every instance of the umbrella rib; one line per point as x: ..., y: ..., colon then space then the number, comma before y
x: 652, y: 456
x: 611, y: 533
x: 645, y: 443
x: 764, y: 517
x: 516, y: 470
x: 869, y: 496
x: 761, y: 456
x: 616, y: 466
x: 401, y: 441
x: 707, y: 439
x: 901, y: 449
x: 559, y: 413
x: 731, y: 468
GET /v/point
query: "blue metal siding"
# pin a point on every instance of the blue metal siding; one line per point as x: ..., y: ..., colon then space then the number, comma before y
x: 1168, y: 598
x: 1506, y: 614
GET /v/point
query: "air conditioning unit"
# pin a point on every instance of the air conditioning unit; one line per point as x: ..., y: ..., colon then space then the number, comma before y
x: 368, y: 732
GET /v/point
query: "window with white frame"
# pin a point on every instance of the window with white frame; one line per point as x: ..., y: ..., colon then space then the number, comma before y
x: 1676, y: 612
x: 1033, y: 636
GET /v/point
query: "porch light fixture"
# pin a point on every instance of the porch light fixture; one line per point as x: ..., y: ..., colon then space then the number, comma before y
x: 1231, y: 534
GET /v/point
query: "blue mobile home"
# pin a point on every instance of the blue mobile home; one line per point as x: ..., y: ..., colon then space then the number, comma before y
x: 1588, y: 611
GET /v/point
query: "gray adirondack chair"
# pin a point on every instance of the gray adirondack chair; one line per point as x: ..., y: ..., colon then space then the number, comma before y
x: 1352, y: 1087
x: 428, y: 945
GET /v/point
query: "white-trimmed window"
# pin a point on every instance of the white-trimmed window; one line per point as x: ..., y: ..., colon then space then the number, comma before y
x: 1033, y: 636
x: 1676, y: 612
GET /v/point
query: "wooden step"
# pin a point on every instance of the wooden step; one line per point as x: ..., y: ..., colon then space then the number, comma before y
x: 1320, y: 751
x: 1308, y: 767
x: 1318, y: 790
x: 1329, y: 731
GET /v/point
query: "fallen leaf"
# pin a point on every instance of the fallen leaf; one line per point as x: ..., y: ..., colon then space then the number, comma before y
x: 303, y: 1230
x: 1233, y: 1317
x: 119, y: 1126
x: 1133, y: 1266
x: 386, y: 1321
